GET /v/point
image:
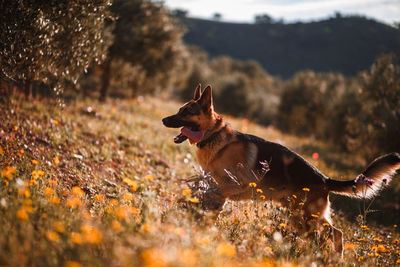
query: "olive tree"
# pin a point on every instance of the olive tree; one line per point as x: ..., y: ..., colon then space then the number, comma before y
x: 51, y: 41
x: 146, y: 37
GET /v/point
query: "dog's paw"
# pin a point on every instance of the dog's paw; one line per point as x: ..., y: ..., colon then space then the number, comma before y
x: 212, y: 200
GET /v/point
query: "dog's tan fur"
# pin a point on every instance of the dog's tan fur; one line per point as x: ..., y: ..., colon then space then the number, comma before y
x: 233, y: 159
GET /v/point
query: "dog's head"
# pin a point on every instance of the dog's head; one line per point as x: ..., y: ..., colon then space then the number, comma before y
x: 195, y: 117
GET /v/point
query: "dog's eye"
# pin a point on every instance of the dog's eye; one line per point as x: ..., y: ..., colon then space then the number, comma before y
x: 184, y: 112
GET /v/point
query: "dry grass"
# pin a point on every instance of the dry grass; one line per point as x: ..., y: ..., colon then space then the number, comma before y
x: 98, y: 185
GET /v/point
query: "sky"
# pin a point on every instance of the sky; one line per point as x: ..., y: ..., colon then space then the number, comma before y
x: 387, y: 11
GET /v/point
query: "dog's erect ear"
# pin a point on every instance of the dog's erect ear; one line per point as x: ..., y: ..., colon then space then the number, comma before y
x: 197, y: 92
x: 206, y: 97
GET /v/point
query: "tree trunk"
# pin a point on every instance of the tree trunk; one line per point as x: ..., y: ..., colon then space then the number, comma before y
x: 106, y: 68
x: 27, y: 87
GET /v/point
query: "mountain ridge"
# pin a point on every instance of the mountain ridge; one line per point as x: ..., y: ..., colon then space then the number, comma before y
x: 284, y: 49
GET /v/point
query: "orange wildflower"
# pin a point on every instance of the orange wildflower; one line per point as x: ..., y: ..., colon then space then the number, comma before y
x: 37, y: 173
x: 77, y: 191
x: 8, y: 172
x: 91, y: 234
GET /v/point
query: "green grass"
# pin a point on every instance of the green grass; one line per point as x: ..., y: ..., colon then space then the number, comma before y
x: 109, y: 191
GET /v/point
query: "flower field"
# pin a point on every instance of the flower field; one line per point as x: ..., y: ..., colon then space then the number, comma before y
x: 103, y: 184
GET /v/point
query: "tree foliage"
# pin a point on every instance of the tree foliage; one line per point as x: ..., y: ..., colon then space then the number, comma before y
x: 375, y: 128
x: 146, y: 37
x: 50, y: 41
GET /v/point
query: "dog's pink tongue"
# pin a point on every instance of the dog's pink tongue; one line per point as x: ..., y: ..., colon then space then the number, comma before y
x: 194, y: 136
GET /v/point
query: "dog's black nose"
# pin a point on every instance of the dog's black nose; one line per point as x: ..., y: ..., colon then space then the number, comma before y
x: 164, y: 120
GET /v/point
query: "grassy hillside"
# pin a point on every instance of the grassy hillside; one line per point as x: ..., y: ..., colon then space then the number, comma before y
x: 345, y: 44
x: 98, y: 185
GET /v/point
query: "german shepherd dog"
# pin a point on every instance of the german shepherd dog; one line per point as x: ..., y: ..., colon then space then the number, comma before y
x: 238, y: 161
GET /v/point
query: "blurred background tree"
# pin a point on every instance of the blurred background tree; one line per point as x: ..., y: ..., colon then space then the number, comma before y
x: 375, y: 127
x: 262, y: 19
x: 146, y: 38
x: 50, y: 41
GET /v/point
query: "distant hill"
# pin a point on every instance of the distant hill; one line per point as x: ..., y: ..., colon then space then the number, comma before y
x: 341, y: 44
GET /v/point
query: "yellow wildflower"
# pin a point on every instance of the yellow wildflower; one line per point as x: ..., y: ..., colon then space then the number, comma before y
x: 32, y: 182
x: 306, y: 189
x: 382, y: 248
x: 253, y: 185
x: 73, y: 202
x: 282, y: 225
x: 28, y: 209
x: 99, y: 197
x: 149, y: 177
x: 128, y: 197
x: 56, y: 160
x: 133, y: 210
x: 24, y: 192
x: 37, y: 173
x: 77, y: 191
x: 154, y: 257
x: 58, y: 226
x: 116, y: 226
x: 73, y: 264
x: 326, y: 224
x: 52, y: 236
x: 194, y: 200
x: 54, y: 200
x: 22, y: 215
x: 226, y: 249
x: 27, y: 202
x: 259, y: 190
x: 132, y: 184
x: 121, y: 212
x: 48, y: 191
x: 314, y: 216
x: 294, y: 196
x: 377, y: 239
x: 91, y: 234
x: 41, y: 148
x: 262, y: 197
x: 396, y: 241
x: 53, y: 182
x: 147, y: 228
x: 349, y: 246
x: 379, y: 248
x: 236, y: 220
x: 35, y: 162
x: 15, y: 128
x: 187, y: 192
x: 360, y: 258
x: 114, y: 202
x: 8, y: 172
x: 76, y: 238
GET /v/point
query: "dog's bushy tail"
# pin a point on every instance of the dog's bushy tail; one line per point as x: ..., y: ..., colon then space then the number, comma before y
x: 375, y: 177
